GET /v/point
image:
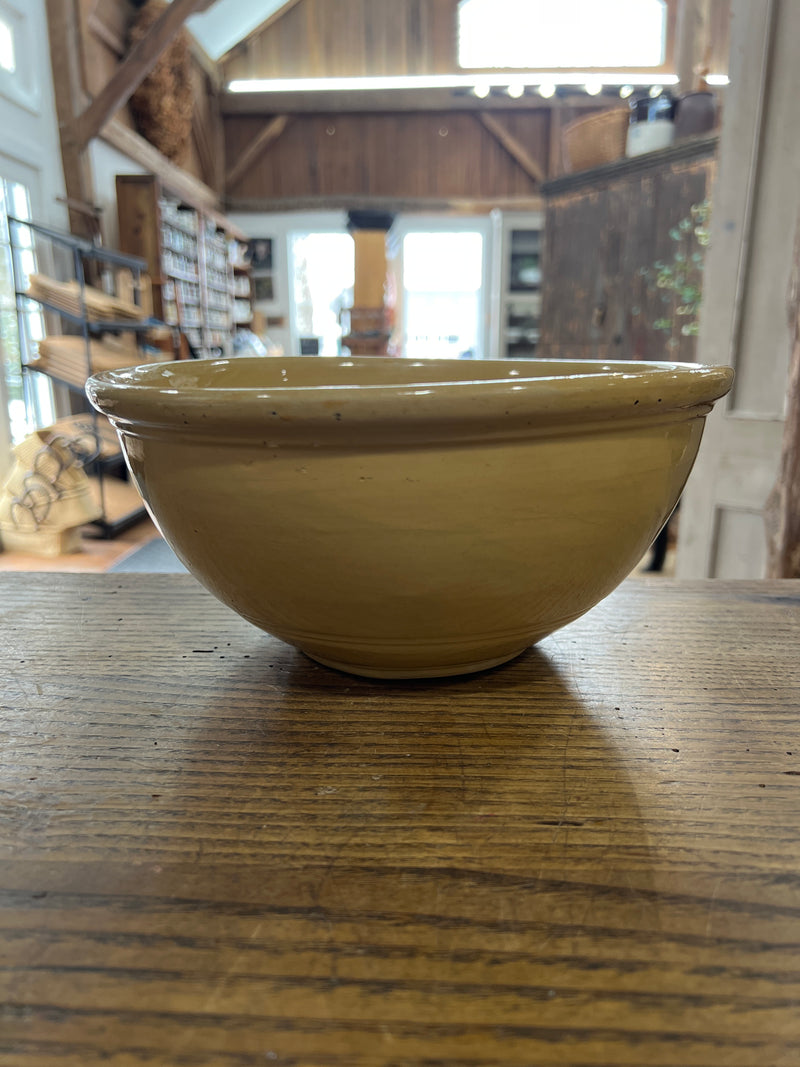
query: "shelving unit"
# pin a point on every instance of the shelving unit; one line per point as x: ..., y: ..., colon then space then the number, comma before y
x: 194, y: 260
x: 80, y: 305
x: 520, y: 240
x: 242, y: 289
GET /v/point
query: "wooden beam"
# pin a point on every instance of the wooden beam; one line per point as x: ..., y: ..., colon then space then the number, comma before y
x: 190, y: 189
x: 555, y: 165
x: 105, y: 33
x: 517, y: 152
x: 62, y: 21
x: 691, y: 42
x: 203, y: 144
x: 134, y: 69
x: 112, y: 40
x: 268, y: 135
x: 336, y: 101
x: 355, y: 202
x: 782, y: 511
x: 179, y: 182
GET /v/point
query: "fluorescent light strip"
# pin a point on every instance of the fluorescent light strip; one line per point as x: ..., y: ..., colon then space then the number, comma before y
x: 446, y: 81
x: 717, y: 79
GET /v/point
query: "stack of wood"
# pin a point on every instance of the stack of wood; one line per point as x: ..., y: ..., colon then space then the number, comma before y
x: 100, y: 306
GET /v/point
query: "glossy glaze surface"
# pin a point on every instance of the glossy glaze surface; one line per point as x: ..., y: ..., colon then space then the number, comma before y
x: 410, y: 519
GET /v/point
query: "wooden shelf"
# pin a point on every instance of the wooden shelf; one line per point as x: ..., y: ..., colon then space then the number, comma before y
x: 689, y: 149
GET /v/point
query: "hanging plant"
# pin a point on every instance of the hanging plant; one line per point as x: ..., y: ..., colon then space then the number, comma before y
x: 162, y: 105
x: 679, y: 280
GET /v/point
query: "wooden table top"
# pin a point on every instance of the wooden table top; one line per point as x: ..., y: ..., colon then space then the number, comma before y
x: 215, y: 852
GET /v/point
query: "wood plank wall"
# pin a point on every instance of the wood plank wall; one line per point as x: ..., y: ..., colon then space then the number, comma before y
x: 316, y: 38
x: 596, y: 303
x: 350, y: 37
x: 438, y: 155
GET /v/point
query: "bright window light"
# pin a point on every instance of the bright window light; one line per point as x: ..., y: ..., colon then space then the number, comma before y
x: 8, y: 60
x: 439, y: 81
x: 535, y: 34
x: 443, y: 262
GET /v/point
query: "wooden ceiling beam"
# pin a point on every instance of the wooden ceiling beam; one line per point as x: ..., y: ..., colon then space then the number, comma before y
x: 508, y: 141
x: 134, y: 69
x: 268, y: 135
x: 453, y: 205
x: 337, y: 101
x: 179, y: 182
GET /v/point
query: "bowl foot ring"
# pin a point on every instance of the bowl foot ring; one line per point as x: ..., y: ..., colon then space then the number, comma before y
x: 443, y: 671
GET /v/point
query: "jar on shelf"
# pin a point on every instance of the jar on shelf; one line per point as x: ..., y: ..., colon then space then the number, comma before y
x: 652, y: 124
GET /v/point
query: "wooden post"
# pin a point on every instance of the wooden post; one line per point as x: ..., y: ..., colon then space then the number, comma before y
x: 62, y: 21
x: 691, y: 44
x: 369, y: 332
x: 782, y: 512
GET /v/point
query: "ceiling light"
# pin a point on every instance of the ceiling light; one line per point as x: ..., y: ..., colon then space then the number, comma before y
x: 547, y: 89
x: 482, y: 90
x: 516, y: 90
x: 656, y: 90
x: 625, y: 91
x: 593, y: 86
x: 717, y: 79
x: 439, y: 81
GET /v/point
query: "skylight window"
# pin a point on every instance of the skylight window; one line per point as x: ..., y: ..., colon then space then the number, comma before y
x: 569, y: 34
x: 8, y: 60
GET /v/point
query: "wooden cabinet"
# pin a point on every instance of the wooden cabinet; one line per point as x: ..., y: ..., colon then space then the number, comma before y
x: 605, y: 229
x: 196, y: 262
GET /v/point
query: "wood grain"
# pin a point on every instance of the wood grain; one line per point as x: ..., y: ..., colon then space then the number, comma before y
x: 782, y: 510
x: 315, y: 38
x: 603, y: 227
x: 406, y: 155
x: 214, y: 852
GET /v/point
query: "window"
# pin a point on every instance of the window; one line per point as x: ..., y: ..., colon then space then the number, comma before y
x: 442, y: 295
x: 8, y: 60
x: 323, y: 272
x: 570, y: 34
x: 30, y: 397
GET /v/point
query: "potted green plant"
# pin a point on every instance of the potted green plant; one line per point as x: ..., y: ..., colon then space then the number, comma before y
x: 679, y: 279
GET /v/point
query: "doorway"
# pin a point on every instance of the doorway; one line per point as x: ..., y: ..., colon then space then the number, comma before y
x: 322, y: 273
x: 444, y: 289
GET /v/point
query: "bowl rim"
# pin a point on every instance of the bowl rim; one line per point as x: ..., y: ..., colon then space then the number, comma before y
x: 585, y: 392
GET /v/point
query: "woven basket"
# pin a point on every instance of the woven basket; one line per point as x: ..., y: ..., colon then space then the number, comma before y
x: 596, y: 139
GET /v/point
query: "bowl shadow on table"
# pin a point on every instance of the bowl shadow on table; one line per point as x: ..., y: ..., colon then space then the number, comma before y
x: 505, y: 790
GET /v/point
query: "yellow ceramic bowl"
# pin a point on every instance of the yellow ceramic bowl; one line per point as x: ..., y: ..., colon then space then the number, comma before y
x: 409, y: 519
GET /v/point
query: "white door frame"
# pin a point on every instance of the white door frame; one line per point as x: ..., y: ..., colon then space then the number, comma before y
x: 744, y: 322
x: 406, y: 224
